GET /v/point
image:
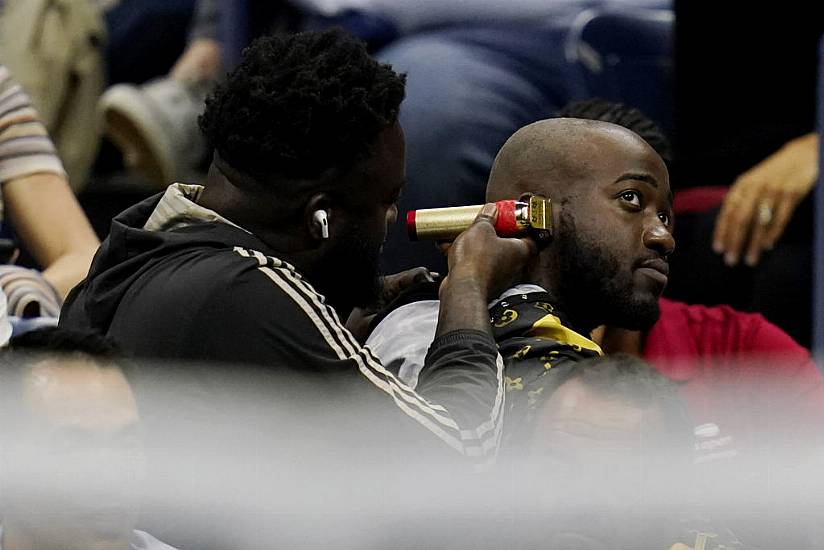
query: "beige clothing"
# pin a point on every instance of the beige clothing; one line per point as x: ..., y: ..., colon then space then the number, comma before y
x: 54, y: 50
x: 178, y: 208
x: 25, y: 147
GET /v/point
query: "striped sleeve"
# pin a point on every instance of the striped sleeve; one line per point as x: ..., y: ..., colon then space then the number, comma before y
x: 464, y: 372
x: 25, y: 147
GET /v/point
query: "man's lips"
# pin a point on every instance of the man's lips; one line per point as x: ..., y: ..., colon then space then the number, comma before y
x: 657, y: 269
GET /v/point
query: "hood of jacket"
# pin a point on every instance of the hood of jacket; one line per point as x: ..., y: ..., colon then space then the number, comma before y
x: 130, y: 250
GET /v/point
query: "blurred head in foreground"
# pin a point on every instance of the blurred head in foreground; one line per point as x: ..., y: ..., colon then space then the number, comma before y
x: 612, y: 425
x: 71, y: 453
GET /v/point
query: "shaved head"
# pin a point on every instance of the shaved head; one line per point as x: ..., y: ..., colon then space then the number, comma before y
x: 548, y: 156
x: 612, y: 208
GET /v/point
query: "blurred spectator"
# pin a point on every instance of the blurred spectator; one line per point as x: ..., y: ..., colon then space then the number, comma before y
x: 55, y: 50
x: 615, y: 439
x: 144, y: 38
x: 65, y: 51
x: 621, y: 404
x: 39, y: 206
x: 72, y: 459
x: 769, y: 160
x: 155, y: 125
x: 755, y: 248
x: 762, y: 200
x: 721, y: 358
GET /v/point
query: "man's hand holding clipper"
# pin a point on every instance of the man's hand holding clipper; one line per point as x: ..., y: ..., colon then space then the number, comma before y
x: 481, y: 265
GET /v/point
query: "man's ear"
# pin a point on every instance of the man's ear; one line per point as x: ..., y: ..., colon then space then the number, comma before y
x: 318, y: 216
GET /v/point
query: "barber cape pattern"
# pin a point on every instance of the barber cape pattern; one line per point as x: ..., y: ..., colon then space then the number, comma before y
x: 539, y: 351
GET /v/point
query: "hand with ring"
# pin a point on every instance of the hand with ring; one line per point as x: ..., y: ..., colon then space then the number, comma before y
x: 762, y: 201
x: 765, y: 212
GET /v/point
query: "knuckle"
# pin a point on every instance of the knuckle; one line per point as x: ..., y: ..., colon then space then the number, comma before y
x: 744, y: 185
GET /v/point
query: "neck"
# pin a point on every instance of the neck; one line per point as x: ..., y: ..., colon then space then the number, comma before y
x: 580, y: 318
x: 253, y: 211
x: 618, y: 340
x: 611, y: 339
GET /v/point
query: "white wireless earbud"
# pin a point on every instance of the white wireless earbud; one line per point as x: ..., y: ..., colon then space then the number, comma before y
x: 320, y: 218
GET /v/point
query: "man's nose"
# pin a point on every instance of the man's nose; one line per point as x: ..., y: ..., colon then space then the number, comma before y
x: 657, y: 236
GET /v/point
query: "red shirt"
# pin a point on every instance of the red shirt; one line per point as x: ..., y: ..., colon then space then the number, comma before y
x: 736, y: 370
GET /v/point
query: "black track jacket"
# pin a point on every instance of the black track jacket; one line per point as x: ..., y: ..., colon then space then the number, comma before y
x: 205, y: 290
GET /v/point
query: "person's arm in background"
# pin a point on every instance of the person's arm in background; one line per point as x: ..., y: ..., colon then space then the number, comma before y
x: 37, y: 199
x: 201, y: 59
x: 50, y: 223
x: 763, y: 199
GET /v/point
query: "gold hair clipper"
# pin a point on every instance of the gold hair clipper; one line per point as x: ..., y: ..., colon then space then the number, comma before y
x: 529, y: 215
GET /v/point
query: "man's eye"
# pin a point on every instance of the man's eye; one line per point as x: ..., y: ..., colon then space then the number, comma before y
x: 632, y: 197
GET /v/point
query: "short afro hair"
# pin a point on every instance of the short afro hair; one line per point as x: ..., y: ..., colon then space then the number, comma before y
x: 301, y: 105
x: 623, y: 115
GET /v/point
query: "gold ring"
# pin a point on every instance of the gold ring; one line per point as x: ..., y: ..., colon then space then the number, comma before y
x: 765, y: 212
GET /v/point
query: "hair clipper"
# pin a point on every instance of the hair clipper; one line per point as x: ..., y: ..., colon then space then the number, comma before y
x: 529, y: 215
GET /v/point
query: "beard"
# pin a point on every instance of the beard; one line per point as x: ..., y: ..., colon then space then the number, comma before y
x: 595, y: 288
x: 351, y: 274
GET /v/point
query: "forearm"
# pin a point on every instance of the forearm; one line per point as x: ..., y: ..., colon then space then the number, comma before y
x: 463, y: 306
x: 463, y: 374
x: 52, y: 227
x: 463, y: 371
x: 65, y: 273
x: 458, y: 370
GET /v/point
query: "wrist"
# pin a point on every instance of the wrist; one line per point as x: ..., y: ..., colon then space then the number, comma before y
x: 463, y: 306
x: 464, y: 284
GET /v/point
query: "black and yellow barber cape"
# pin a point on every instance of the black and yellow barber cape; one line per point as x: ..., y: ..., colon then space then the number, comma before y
x: 539, y: 348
